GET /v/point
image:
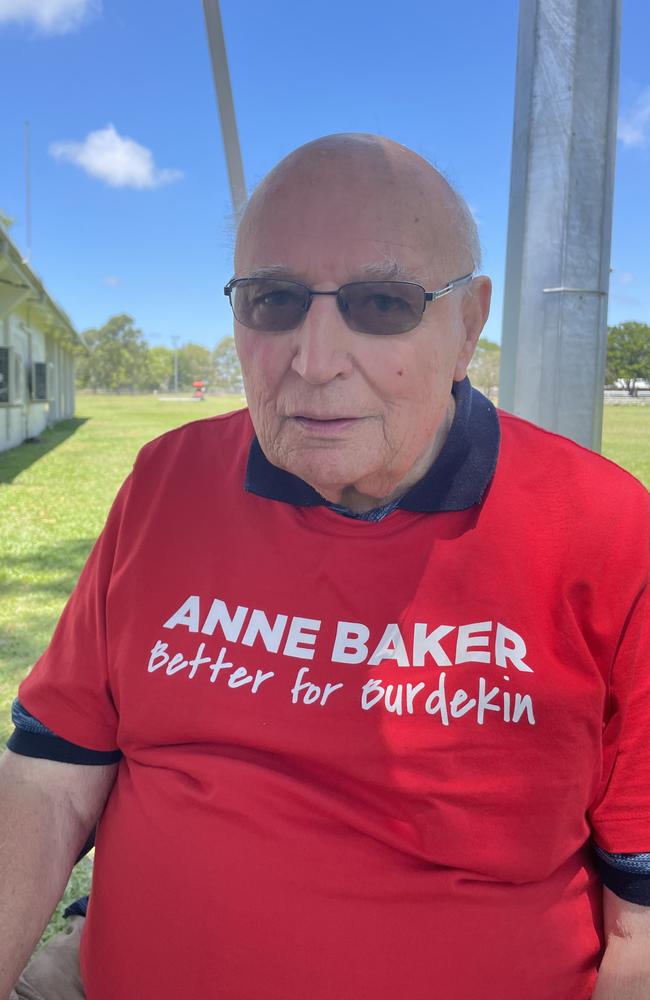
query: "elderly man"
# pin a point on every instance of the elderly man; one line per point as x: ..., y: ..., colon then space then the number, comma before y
x: 368, y: 654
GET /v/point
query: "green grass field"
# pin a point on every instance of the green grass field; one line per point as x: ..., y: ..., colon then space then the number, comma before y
x: 54, y: 496
x: 626, y: 438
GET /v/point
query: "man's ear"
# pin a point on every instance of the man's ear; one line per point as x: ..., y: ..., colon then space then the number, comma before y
x: 475, y: 309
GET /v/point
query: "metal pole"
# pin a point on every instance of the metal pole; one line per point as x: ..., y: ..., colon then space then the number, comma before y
x: 175, y: 344
x: 560, y: 222
x: 226, y: 106
x: 28, y: 204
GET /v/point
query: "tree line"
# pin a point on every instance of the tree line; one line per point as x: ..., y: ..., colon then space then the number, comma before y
x: 628, y: 356
x: 117, y: 358
x: 627, y: 362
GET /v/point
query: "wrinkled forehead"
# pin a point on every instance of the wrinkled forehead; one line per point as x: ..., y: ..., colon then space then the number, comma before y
x: 336, y: 221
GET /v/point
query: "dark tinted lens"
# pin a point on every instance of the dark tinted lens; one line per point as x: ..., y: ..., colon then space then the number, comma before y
x: 382, y: 306
x: 268, y: 304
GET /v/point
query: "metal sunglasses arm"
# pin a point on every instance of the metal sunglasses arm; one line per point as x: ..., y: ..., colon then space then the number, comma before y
x: 432, y: 296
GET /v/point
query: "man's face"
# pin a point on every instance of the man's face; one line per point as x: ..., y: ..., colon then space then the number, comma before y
x: 355, y: 415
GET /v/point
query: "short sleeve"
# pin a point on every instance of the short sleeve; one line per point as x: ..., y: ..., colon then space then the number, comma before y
x: 68, y: 689
x: 620, y: 817
x: 31, y: 738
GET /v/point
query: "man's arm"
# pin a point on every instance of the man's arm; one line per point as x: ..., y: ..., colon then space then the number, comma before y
x: 625, y: 969
x: 47, y: 809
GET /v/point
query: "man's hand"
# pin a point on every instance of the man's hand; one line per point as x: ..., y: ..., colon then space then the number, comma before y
x: 625, y: 969
x: 46, y: 812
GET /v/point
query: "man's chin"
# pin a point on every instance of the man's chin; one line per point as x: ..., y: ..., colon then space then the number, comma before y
x: 348, y: 484
x: 326, y: 478
x: 323, y: 469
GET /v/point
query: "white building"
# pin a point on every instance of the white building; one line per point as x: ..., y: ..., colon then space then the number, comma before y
x: 37, y: 342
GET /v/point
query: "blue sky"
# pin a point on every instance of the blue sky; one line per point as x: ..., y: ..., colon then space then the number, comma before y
x: 130, y: 200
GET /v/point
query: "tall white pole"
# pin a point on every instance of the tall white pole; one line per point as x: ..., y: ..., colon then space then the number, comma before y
x: 560, y: 222
x: 28, y: 200
x: 175, y: 341
x: 226, y: 106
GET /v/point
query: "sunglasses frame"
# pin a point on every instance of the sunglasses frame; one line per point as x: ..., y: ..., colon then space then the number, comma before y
x: 311, y: 292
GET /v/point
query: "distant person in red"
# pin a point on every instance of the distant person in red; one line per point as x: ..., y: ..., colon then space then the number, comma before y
x: 355, y: 681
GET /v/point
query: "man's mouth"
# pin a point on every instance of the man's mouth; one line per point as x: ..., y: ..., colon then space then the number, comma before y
x: 324, y: 425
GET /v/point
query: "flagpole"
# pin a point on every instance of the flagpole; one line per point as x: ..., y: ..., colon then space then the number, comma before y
x: 28, y: 200
x: 226, y: 106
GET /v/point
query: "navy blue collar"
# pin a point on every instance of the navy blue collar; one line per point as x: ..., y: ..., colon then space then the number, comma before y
x: 457, y: 479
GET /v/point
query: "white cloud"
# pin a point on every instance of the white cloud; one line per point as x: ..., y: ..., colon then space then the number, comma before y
x: 111, y: 280
x: 634, y: 127
x: 625, y: 278
x: 52, y: 17
x: 114, y: 159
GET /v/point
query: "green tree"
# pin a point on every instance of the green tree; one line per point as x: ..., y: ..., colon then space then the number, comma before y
x: 160, y: 368
x: 628, y: 355
x: 484, y: 368
x: 194, y: 364
x: 6, y: 222
x: 113, y: 358
x: 227, y: 371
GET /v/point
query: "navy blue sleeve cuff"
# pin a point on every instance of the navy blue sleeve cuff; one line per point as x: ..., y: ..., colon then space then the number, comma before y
x: 51, y: 747
x: 626, y: 875
x: 32, y: 739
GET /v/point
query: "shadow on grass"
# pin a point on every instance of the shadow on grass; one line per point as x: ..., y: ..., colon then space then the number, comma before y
x: 17, y: 459
x: 46, y: 569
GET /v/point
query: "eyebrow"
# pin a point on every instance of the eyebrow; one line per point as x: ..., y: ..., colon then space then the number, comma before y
x: 273, y: 271
x: 384, y: 270
x: 391, y: 270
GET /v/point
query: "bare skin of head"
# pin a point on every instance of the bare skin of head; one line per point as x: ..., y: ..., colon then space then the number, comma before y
x: 359, y: 417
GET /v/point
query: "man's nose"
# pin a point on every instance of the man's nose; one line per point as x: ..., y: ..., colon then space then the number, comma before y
x: 322, y: 343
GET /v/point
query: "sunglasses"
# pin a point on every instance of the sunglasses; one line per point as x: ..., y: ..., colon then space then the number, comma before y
x: 273, y: 305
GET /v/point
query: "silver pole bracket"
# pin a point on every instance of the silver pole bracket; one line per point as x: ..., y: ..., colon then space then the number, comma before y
x: 587, y: 291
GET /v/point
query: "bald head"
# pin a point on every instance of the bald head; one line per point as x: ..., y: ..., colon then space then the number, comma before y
x: 372, y: 183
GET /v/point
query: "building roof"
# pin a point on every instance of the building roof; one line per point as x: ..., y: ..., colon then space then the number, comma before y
x: 16, y: 275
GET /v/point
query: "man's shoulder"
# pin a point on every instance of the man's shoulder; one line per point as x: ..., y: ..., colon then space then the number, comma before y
x: 562, y: 457
x: 222, y: 437
x: 557, y: 465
